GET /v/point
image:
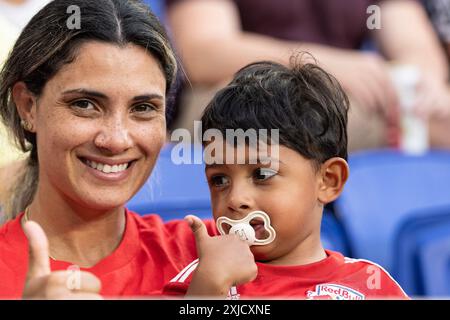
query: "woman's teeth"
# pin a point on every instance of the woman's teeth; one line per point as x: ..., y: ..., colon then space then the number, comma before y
x: 106, y: 168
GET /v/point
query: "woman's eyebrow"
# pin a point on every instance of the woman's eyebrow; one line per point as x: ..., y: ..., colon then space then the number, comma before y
x: 93, y: 93
x: 148, y: 96
x: 86, y: 92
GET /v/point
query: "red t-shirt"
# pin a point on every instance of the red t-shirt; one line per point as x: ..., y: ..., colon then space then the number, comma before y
x: 335, y: 277
x: 149, y: 255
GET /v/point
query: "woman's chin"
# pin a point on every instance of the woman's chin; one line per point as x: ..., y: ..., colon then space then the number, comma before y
x: 104, y: 201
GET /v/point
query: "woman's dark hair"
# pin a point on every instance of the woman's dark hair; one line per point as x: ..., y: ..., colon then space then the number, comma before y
x: 303, y: 101
x: 47, y: 43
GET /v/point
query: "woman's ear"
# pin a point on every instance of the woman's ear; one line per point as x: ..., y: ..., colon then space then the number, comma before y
x: 334, y: 173
x: 25, y: 102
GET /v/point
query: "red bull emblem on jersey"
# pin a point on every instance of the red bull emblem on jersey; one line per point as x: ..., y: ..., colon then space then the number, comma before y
x: 335, y: 292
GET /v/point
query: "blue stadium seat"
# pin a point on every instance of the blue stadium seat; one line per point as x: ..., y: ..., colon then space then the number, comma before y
x: 434, y: 261
x: 383, y: 188
x: 414, y: 233
x: 332, y: 234
x: 174, y: 191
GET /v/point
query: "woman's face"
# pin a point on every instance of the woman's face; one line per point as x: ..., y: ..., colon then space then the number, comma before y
x: 100, y: 124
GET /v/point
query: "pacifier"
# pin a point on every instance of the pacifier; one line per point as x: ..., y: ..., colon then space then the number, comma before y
x: 244, y: 229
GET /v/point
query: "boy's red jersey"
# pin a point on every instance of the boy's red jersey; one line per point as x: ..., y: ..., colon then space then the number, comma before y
x: 335, y: 277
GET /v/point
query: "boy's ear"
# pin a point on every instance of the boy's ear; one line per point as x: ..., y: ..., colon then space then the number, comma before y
x: 334, y: 173
x: 25, y: 102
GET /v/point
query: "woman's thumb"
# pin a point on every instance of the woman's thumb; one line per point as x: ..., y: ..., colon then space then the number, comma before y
x: 38, y: 263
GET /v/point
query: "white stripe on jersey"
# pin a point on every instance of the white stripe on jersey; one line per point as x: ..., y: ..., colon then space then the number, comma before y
x: 188, y: 272
x: 351, y: 260
x: 178, y: 276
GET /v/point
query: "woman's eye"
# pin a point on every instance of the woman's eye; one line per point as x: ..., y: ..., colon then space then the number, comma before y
x: 219, y: 181
x: 84, y: 105
x: 144, y: 108
x: 263, y: 174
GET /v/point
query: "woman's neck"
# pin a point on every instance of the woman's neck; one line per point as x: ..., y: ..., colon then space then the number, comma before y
x: 76, y: 234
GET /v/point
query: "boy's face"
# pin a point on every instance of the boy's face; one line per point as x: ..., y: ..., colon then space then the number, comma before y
x: 287, y: 189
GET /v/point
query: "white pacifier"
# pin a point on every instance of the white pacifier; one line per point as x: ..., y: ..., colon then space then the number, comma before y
x: 245, y: 231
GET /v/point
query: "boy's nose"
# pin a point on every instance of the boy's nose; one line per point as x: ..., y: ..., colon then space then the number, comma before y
x: 240, y: 203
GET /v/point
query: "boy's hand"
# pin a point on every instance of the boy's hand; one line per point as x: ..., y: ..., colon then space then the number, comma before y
x: 41, y: 283
x: 224, y: 261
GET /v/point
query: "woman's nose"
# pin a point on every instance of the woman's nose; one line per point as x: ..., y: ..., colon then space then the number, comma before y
x: 114, y: 136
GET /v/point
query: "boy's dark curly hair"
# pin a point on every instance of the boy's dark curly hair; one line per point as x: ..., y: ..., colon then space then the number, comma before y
x: 306, y: 104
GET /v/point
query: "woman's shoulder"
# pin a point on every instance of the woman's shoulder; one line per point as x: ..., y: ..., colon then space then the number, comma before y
x: 13, y: 241
x: 11, y: 232
x: 14, y: 257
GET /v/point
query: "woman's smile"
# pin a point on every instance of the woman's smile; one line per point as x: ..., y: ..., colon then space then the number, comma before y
x: 108, y: 169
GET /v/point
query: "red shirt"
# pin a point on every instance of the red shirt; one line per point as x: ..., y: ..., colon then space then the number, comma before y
x: 149, y: 255
x: 335, y: 277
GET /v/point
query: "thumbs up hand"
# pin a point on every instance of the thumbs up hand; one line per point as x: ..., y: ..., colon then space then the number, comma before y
x: 224, y: 261
x: 41, y: 283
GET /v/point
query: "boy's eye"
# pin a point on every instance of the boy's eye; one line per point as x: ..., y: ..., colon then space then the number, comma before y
x: 219, y: 180
x: 263, y: 174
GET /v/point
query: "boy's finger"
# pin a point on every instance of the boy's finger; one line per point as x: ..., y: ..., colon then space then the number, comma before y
x: 197, y: 227
x: 38, y: 263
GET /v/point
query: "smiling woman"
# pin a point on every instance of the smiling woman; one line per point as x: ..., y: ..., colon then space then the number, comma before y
x: 90, y: 106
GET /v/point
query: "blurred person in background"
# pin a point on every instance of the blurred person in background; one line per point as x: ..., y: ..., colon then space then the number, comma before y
x: 19, y: 12
x: 215, y: 38
x: 8, y: 154
x: 14, y: 15
x: 439, y: 13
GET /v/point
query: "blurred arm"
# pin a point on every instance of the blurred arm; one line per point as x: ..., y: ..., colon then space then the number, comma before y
x: 213, y: 47
x: 407, y: 36
x: 211, y: 44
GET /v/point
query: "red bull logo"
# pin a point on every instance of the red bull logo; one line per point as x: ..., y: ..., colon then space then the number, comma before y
x: 335, y: 292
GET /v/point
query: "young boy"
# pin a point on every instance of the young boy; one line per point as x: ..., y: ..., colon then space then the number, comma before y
x: 309, y: 170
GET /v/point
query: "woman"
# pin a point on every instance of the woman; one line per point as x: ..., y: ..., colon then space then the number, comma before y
x: 89, y: 104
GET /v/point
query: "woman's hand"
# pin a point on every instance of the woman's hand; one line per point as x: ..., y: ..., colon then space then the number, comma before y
x: 41, y: 283
x: 224, y: 261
